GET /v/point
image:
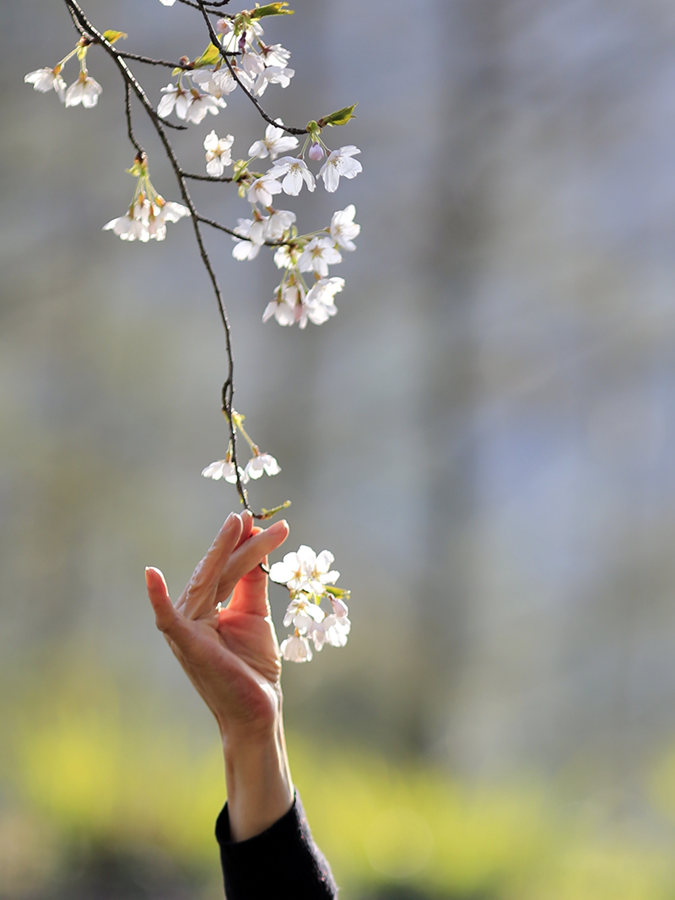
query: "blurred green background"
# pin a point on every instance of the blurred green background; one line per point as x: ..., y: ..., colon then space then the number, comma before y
x: 482, y: 436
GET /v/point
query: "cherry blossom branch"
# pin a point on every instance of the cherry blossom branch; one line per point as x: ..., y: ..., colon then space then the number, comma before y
x: 294, y: 300
x: 198, y: 91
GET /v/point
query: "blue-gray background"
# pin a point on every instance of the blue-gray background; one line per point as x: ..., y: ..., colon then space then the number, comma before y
x: 483, y: 435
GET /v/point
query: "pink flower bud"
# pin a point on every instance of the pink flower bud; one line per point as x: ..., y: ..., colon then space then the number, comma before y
x: 316, y: 152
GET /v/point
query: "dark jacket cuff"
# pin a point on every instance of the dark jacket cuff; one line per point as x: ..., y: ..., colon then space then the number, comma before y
x: 282, y: 861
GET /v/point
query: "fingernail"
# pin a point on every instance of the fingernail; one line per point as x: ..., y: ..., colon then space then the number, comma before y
x: 281, y: 525
x: 159, y: 572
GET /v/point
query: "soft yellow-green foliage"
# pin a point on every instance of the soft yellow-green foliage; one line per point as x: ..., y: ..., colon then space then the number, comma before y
x: 95, y: 770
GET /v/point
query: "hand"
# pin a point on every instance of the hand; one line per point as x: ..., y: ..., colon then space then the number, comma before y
x: 231, y: 655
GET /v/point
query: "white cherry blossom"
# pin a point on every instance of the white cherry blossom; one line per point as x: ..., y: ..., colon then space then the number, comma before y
x: 250, y: 66
x: 201, y: 104
x: 167, y: 2
x: 340, y: 163
x: 318, y: 254
x: 253, y: 233
x: 303, y: 613
x: 253, y: 229
x: 217, y: 83
x: 224, y: 468
x: 84, y: 91
x: 295, y: 173
x: 272, y: 75
x: 173, y: 93
x: 340, y: 608
x: 263, y: 188
x: 319, y: 302
x: 343, y: 228
x: 161, y: 214
x: 47, y: 79
x: 245, y: 250
x: 218, y: 153
x: 128, y: 227
x: 262, y: 463
x: 146, y: 220
x: 275, y: 55
x: 296, y: 649
x: 286, y: 301
x: 278, y: 223
x: 305, y: 570
x: 276, y: 141
x: 331, y: 630
x: 189, y: 105
x: 286, y: 257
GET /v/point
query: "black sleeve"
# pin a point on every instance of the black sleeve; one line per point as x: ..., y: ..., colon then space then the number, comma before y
x: 281, y: 862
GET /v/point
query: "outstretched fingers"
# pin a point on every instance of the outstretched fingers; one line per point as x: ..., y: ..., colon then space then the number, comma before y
x: 199, y: 595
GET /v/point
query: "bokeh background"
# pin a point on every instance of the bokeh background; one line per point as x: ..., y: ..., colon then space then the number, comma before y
x: 483, y: 436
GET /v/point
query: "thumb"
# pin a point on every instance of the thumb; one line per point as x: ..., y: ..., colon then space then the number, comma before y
x: 158, y: 592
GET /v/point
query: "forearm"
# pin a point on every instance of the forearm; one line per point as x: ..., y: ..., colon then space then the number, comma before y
x: 258, y: 778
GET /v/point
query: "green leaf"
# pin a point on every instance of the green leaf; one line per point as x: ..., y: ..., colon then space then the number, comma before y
x: 339, y: 117
x: 208, y: 58
x: 271, y: 9
x: 112, y: 36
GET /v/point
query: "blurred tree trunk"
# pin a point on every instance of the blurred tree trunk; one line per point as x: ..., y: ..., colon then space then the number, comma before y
x: 459, y: 232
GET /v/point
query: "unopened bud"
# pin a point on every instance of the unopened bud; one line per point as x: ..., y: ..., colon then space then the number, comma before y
x: 316, y: 152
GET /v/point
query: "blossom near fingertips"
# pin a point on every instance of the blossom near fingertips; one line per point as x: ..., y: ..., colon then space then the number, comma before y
x: 310, y: 581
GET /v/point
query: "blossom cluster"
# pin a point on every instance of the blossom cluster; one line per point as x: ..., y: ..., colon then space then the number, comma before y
x: 309, y: 579
x: 258, y: 465
x: 148, y: 213
x: 252, y: 64
x: 84, y: 90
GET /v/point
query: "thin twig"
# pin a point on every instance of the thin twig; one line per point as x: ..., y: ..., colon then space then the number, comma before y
x: 213, y: 224
x: 150, y: 61
x: 215, y: 178
x: 215, y: 12
x: 130, y: 128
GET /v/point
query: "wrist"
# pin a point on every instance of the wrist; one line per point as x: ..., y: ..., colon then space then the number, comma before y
x: 259, y: 786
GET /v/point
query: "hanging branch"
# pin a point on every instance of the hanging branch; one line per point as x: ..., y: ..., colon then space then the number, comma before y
x: 305, y: 294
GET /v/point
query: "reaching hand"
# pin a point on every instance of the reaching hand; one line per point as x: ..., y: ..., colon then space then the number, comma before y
x: 229, y: 652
